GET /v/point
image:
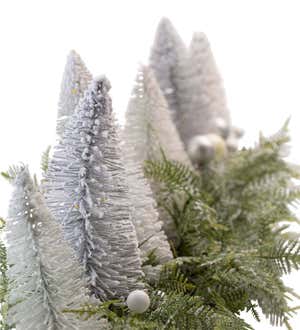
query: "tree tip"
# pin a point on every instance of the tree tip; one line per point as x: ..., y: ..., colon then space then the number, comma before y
x: 73, y: 54
x: 165, y: 20
x: 165, y: 24
x: 103, y: 81
x: 199, y: 37
x: 74, y: 57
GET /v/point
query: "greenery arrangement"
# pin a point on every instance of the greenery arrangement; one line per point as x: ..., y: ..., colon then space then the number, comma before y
x: 173, y: 229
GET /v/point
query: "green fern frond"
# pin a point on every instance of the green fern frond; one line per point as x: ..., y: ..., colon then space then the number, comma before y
x: 284, y: 255
x: 12, y: 172
x: 173, y: 280
x: 252, y: 308
x: 45, y: 159
x: 173, y: 175
x: 152, y: 259
x: 277, y: 140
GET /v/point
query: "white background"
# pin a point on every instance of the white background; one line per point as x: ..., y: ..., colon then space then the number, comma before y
x: 256, y: 45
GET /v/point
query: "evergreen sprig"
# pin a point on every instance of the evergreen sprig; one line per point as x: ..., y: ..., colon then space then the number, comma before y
x: 12, y: 172
x: 173, y: 306
x: 45, y: 159
x: 232, y: 220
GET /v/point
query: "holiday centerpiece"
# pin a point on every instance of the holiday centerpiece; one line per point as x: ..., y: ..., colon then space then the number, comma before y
x: 162, y: 225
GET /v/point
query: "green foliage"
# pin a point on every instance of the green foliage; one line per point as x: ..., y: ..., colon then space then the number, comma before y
x: 175, y: 176
x: 232, y: 223
x: 152, y: 259
x: 173, y: 306
x: 283, y: 256
x: 12, y: 172
x: 45, y: 159
x: 232, y: 220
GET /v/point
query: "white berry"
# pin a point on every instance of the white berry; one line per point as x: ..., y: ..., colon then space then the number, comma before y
x: 138, y: 301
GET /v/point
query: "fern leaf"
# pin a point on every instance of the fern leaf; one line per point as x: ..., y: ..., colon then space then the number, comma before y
x: 45, y: 159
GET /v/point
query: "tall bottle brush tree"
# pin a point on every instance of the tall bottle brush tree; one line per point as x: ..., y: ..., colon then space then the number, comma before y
x: 150, y: 129
x: 141, y: 141
x: 168, y: 53
x: 192, y: 86
x: 86, y: 193
x: 205, y: 96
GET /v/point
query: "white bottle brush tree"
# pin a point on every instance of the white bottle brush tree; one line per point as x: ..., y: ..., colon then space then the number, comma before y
x: 170, y: 227
x: 86, y: 192
x: 150, y: 134
x: 45, y: 277
x: 192, y: 86
x: 205, y: 97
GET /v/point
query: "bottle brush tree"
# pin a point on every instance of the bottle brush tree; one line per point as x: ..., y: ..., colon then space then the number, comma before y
x: 44, y: 275
x: 86, y: 193
x: 150, y: 132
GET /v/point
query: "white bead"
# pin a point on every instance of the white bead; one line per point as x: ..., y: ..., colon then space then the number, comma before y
x: 138, y: 301
x: 201, y: 149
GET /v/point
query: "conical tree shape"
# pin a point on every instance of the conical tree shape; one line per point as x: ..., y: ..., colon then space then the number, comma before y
x: 167, y: 56
x: 149, y: 124
x: 75, y: 81
x: 44, y: 274
x: 87, y: 195
x: 202, y: 97
x: 151, y: 237
x: 149, y: 131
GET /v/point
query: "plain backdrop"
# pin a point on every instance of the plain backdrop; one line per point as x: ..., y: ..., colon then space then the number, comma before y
x: 256, y: 45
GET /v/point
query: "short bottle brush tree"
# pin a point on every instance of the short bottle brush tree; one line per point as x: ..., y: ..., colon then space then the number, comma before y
x: 170, y: 227
x: 44, y: 275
